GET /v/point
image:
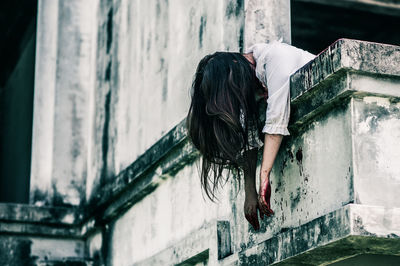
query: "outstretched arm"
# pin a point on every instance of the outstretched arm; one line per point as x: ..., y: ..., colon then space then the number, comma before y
x: 251, y: 202
x: 272, y: 143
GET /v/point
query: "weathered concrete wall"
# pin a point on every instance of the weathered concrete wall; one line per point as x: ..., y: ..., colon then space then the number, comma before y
x: 147, y: 54
x: 306, y: 186
x: 153, y: 212
x: 321, y: 180
x: 112, y: 77
x: 112, y: 91
x: 376, y: 129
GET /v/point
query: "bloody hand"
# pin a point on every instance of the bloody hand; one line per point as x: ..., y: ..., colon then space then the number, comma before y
x: 250, y: 209
x: 251, y: 205
x: 264, y: 196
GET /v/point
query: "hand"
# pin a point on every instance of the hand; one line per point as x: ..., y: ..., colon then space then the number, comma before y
x: 251, y: 204
x: 265, y: 193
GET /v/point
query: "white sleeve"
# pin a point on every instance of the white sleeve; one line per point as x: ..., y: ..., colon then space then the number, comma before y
x: 278, y: 63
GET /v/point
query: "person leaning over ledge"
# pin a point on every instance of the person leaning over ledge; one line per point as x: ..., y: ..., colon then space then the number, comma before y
x: 223, y: 114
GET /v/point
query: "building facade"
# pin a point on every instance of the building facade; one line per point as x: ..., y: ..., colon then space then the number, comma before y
x: 96, y: 168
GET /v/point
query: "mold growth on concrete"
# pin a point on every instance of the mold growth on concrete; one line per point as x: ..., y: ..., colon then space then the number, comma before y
x: 203, y: 24
x: 16, y: 251
x: 107, y: 74
x: 103, y: 175
x: 109, y: 30
x: 234, y: 8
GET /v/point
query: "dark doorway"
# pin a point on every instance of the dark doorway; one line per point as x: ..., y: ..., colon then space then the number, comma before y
x: 318, y: 23
x: 17, y: 57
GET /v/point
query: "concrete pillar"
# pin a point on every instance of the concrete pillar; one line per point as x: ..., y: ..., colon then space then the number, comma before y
x: 64, y: 77
x: 266, y: 20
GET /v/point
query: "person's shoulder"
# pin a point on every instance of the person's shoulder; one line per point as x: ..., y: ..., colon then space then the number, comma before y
x: 258, y: 49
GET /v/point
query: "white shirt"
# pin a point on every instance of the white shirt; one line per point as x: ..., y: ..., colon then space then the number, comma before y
x: 275, y: 62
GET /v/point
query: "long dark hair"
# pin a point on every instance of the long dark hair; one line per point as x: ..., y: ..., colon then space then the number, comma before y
x: 223, y: 109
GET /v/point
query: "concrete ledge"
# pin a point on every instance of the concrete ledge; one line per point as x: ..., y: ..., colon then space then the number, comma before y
x: 21, y: 219
x: 170, y: 159
x: 343, y: 233
x: 342, y: 249
x: 331, y: 78
x: 163, y: 159
x: 12, y: 212
x: 349, y: 231
x: 32, y: 229
x: 353, y: 229
x: 192, y: 249
x: 355, y: 55
x: 141, y: 167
